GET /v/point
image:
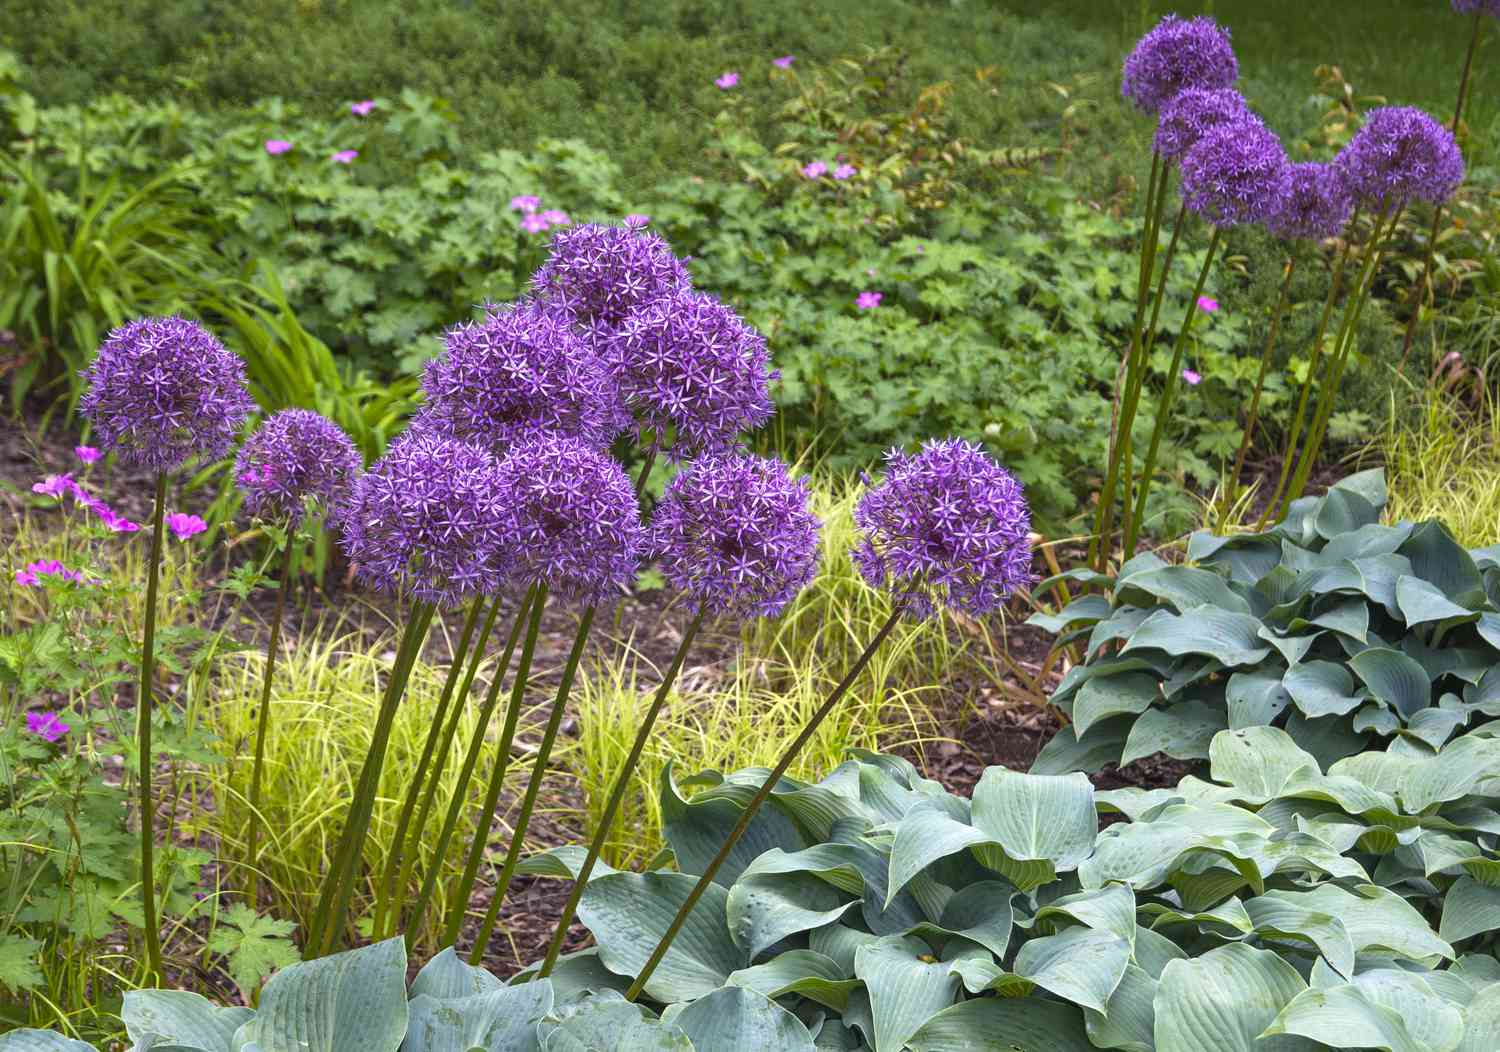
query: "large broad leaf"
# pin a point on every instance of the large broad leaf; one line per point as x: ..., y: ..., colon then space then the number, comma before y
x: 1440, y: 560
x: 905, y: 990
x: 630, y: 912
x: 40, y: 1041
x: 1280, y: 918
x: 1422, y: 603
x: 1044, y: 824
x: 577, y: 974
x: 1392, y: 1015
x: 1469, y: 908
x: 348, y: 1002
x: 1184, y: 587
x: 1086, y: 609
x: 1254, y: 699
x: 180, y: 1017
x: 1129, y: 1019
x: 763, y: 909
x: 1321, y: 688
x: 1481, y: 1022
x: 696, y: 829
x: 1260, y: 762
x: 990, y: 1024
x: 502, y: 1020
x: 1376, y: 919
x: 1182, y: 731
x: 1393, y: 678
x: 1227, y: 637
x: 1082, y: 965
x: 1110, y: 908
x: 813, y: 975
x: 927, y: 833
x: 1343, y: 511
x: 980, y: 913
x: 1108, y: 696
x: 611, y: 1024
x: 1453, y: 773
x: 736, y: 1019
x: 1224, y: 1001
x: 1065, y: 752
x: 447, y: 976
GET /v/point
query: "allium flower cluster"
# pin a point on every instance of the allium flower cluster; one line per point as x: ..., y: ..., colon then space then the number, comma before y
x: 164, y: 390
x: 576, y: 523
x: 734, y: 533
x: 948, y: 524
x: 1317, y: 207
x: 599, y: 274
x: 428, y: 520
x: 688, y: 364
x: 1235, y: 174
x: 1399, y: 154
x: 1477, y: 7
x: 1178, y: 54
x: 296, y: 455
x: 1192, y: 112
x: 523, y: 370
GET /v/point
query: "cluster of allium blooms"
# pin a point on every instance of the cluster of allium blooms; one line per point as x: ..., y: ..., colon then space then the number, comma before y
x: 428, y: 519
x: 947, y: 524
x: 734, y: 534
x: 521, y: 371
x: 1178, y: 54
x: 599, y: 274
x: 294, y: 456
x: 1477, y: 7
x: 576, y: 523
x: 1192, y: 112
x: 1399, y: 154
x: 164, y: 390
x: 1317, y: 206
x: 689, y: 365
x: 1236, y: 174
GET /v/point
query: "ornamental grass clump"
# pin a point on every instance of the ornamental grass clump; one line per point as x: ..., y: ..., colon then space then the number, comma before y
x: 161, y: 392
x: 296, y: 461
x: 947, y: 526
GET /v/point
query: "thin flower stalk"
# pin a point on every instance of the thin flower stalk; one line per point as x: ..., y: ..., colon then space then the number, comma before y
x: 152, y: 925
x: 263, y: 718
x: 1253, y: 417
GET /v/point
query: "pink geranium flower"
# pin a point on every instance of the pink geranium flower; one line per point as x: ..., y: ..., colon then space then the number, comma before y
x: 1207, y: 304
x: 557, y: 217
x: 184, y: 526
x: 46, y: 725
x: 55, y: 486
x: 784, y: 62
x: 727, y: 81
x: 868, y: 300
x: 533, y: 223
x: 277, y: 146
x: 35, y: 571
x: 345, y: 156
x: 844, y: 171
x: 1193, y: 379
x: 814, y: 169
x: 87, y: 454
x: 362, y: 109
x: 527, y: 203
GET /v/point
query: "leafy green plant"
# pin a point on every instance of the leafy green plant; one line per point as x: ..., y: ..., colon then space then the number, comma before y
x: 1343, y: 629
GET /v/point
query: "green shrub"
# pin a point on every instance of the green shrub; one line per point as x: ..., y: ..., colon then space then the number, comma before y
x: 1345, y: 630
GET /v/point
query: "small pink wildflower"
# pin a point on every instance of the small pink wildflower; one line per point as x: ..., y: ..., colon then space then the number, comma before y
x: 184, y: 526
x: 87, y: 454
x: 345, y: 156
x: 868, y: 300
x: 35, y: 571
x: 277, y: 146
x: 55, y: 486
x: 814, y: 169
x: 870, y: 272
x: 557, y: 217
x: 1207, y: 304
x: 533, y: 223
x: 46, y: 725
x: 1193, y: 379
x: 527, y: 203
x: 727, y: 81
x: 636, y: 219
x: 784, y: 62
x: 26, y: 577
x: 363, y: 108
x: 844, y: 171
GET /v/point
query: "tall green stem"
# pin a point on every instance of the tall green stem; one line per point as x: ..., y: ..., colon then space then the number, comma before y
x: 616, y: 797
x: 533, y: 787
x: 263, y: 719
x: 143, y: 743
x: 1169, y: 391
x: 497, y: 773
x: 386, y: 890
x: 1260, y: 383
x: 439, y: 852
x: 1424, y: 284
x: 760, y: 797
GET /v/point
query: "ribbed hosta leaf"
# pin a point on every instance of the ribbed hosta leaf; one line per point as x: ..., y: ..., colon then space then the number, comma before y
x: 611, y: 1024
x: 1224, y: 1000
x: 905, y: 990
x: 1047, y: 820
x: 736, y: 1019
x: 990, y: 1024
x: 181, y: 1018
x: 348, y: 1002
x: 1082, y: 965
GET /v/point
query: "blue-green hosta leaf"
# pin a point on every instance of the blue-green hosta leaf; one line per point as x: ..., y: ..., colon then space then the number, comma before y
x: 1224, y: 1000
x: 1254, y: 699
x: 1394, y: 678
x: 1321, y: 688
x: 502, y: 1020
x: 1368, y: 540
x: 980, y: 975
x: 1182, y: 731
x: 611, y: 1024
x: 181, y: 1017
x: 628, y: 914
x: 1433, y: 727
x: 928, y: 832
x: 1085, y: 610
x: 697, y: 828
x: 1423, y: 603
x: 1184, y: 587
x: 564, y: 862
x: 1377, y: 719
x: 1118, y: 625
x: 1129, y: 1019
x: 980, y: 913
x: 353, y: 1001
x: 1260, y: 762
x: 1291, y: 648
x: 1482, y: 1022
x: 736, y: 1019
x: 1463, y: 767
x: 41, y: 1041
x: 1044, y: 824
x: 1385, y: 1009
x: 447, y: 976
x: 806, y: 972
x: 576, y: 975
x: 1228, y: 918
x: 905, y: 990
x: 1080, y: 964
x: 1227, y: 637
x: 1489, y: 629
x: 1111, y: 696
x: 1349, y: 617
x: 840, y: 943
x: 1329, y: 739
x: 1279, y: 917
x: 997, y: 1024
x: 1112, y: 665
x: 1246, y: 559
x: 1376, y: 918
x: 1440, y: 560
x: 1469, y: 908
x: 1343, y: 511
x: 1110, y: 908
x: 763, y: 909
x: 1065, y: 753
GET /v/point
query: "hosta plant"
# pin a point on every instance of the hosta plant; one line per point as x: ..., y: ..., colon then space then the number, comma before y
x: 875, y: 910
x: 1342, y: 629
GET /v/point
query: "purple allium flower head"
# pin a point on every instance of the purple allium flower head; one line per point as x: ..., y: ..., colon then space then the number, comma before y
x: 46, y: 725
x: 946, y: 525
x: 164, y: 390
x: 688, y: 364
x: 1400, y: 153
x: 1318, y: 206
x: 1191, y: 112
x: 427, y: 519
x: 184, y: 526
x: 1236, y: 173
x: 598, y: 274
x: 1477, y: 7
x: 734, y: 533
x: 523, y: 370
x: 576, y: 520
x: 1177, y: 54
x: 296, y: 455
